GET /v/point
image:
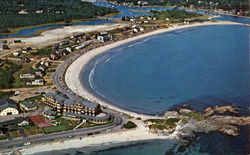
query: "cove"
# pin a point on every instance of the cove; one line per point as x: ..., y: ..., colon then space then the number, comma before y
x: 153, y: 74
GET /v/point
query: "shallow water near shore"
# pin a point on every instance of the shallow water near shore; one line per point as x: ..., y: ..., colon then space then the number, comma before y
x: 151, y: 75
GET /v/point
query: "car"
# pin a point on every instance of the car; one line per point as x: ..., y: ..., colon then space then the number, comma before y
x: 27, y: 143
x: 50, y: 140
x: 9, y: 147
x: 109, y: 130
x: 71, y: 136
x: 97, y: 132
x: 90, y: 134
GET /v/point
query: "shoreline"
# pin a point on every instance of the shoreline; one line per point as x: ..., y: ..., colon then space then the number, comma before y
x: 89, y: 144
x: 114, y: 139
x: 73, y: 73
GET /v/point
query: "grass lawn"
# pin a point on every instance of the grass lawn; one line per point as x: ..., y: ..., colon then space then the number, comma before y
x: 163, y: 123
x: 18, y: 82
x: 56, y: 128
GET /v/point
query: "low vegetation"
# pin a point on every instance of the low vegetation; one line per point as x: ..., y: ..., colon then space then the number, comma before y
x: 163, y: 123
x: 195, y: 115
x: 6, y: 94
x: 43, y: 52
x: 6, y: 74
x: 176, y: 15
x: 129, y: 125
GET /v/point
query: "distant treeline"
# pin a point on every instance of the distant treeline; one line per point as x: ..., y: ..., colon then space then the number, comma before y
x: 20, y: 13
x: 227, y: 5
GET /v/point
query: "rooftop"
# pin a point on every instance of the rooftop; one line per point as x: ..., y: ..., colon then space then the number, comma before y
x: 28, y: 105
x: 7, y: 103
x: 64, y: 99
x: 106, y: 116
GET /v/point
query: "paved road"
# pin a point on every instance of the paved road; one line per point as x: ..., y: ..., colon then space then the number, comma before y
x: 58, y: 136
x: 61, y: 86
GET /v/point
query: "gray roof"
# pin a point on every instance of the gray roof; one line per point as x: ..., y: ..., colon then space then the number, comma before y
x: 49, y: 112
x: 69, y: 102
x: 86, y: 116
x: 7, y: 103
x: 28, y: 105
x: 63, y: 99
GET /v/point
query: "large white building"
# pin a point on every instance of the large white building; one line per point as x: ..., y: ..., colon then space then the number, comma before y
x: 8, y: 107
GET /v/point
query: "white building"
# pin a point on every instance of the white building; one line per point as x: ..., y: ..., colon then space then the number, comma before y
x: 103, y: 37
x: 8, y: 107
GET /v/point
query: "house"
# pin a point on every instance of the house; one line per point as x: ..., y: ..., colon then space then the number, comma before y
x: 23, y: 12
x: 16, y: 54
x: 42, y: 67
x: 39, y: 82
x: 103, y: 37
x: 68, y: 49
x: 27, y: 106
x: 77, y: 36
x: 5, y: 47
x: 23, y: 123
x: 25, y: 60
x: 54, y: 56
x: 27, y: 50
x: 83, y: 45
x: 64, y: 52
x: 27, y: 76
x: 8, y: 107
x: 45, y: 63
x: 39, y: 72
x: 17, y: 93
x: 64, y: 43
x: 17, y: 41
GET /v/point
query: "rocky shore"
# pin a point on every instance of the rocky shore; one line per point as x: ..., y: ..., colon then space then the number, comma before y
x: 192, y: 122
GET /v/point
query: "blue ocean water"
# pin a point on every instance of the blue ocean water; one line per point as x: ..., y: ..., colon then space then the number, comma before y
x: 152, y: 75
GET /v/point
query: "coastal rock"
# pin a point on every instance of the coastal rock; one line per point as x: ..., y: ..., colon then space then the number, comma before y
x: 220, y: 109
x: 171, y: 114
x: 185, y: 111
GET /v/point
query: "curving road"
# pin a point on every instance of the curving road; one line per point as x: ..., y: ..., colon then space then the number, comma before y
x: 58, y: 77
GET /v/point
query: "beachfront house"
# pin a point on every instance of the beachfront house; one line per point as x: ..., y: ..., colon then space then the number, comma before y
x: 16, y: 54
x: 64, y: 106
x: 104, y: 36
x: 27, y: 50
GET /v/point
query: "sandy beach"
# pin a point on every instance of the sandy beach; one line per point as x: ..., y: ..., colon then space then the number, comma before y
x: 53, y: 36
x: 102, y: 141
x: 72, y: 76
x: 107, y: 140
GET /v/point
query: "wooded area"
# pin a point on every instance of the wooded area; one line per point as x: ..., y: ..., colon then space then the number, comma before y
x: 20, y: 13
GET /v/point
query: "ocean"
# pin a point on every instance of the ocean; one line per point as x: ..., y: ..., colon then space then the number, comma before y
x: 203, y: 66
